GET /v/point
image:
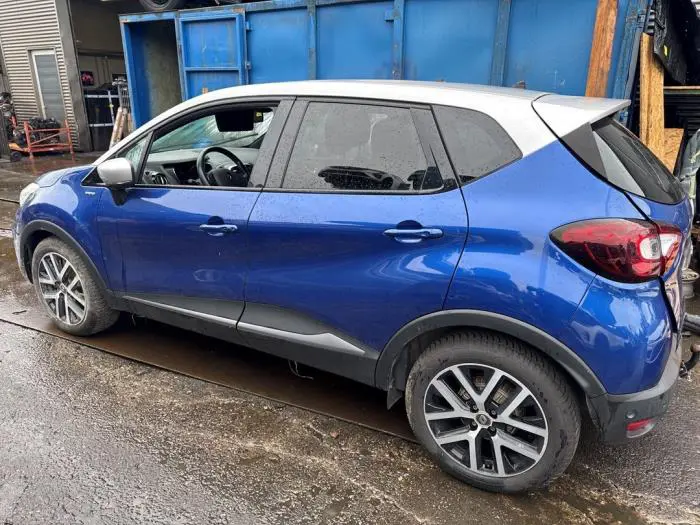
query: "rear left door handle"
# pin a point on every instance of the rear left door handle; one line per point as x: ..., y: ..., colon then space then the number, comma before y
x: 413, y: 235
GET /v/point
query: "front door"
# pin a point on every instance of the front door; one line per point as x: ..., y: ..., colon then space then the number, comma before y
x: 358, y: 232
x: 183, y: 229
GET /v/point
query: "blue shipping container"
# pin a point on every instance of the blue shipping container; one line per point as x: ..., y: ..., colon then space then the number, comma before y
x: 544, y: 44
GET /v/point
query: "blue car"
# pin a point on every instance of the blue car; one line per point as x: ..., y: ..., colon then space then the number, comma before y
x: 507, y: 261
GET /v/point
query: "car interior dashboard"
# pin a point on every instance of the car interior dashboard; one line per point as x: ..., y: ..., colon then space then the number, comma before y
x: 179, y: 167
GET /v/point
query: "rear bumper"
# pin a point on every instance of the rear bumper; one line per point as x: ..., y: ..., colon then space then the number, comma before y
x: 613, y: 413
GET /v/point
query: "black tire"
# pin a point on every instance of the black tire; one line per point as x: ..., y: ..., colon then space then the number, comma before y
x: 162, y: 5
x: 98, y: 314
x: 547, y: 384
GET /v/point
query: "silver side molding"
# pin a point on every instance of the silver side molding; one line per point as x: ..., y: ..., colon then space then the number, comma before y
x: 184, y: 311
x: 324, y: 340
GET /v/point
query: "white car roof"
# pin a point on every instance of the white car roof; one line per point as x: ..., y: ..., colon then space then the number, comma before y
x: 510, y: 107
x: 399, y: 90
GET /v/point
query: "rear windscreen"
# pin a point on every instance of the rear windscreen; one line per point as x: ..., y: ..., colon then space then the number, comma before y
x: 631, y: 166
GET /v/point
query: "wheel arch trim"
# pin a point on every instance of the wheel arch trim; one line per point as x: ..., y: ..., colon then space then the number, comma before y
x: 60, y: 233
x: 396, y: 349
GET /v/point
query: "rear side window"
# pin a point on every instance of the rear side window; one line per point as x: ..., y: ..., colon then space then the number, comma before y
x: 358, y: 147
x: 476, y: 143
x: 631, y: 166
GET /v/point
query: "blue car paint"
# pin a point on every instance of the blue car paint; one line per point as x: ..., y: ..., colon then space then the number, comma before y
x: 680, y: 214
x: 511, y: 267
x: 62, y: 200
x: 52, y: 177
x: 623, y: 332
x: 325, y: 255
x: 163, y: 224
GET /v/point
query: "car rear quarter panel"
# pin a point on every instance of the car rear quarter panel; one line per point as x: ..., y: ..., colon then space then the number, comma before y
x: 511, y: 267
x: 625, y: 331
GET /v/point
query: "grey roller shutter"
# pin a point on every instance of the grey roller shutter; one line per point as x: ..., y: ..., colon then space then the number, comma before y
x: 51, y: 97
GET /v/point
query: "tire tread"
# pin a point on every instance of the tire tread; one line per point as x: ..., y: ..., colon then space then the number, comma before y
x: 100, y: 315
x: 567, y: 400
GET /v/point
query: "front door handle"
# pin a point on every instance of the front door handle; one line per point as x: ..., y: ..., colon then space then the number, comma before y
x: 413, y: 235
x: 218, y: 230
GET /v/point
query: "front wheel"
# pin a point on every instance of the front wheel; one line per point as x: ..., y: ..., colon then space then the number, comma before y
x: 493, y: 412
x: 68, y: 291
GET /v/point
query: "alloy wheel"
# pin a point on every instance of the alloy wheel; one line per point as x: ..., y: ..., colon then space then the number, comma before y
x: 61, y: 288
x: 486, y: 420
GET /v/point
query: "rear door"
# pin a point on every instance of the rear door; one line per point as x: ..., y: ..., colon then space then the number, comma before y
x: 357, y: 233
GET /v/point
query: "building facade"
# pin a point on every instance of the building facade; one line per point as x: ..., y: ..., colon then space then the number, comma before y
x: 51, y: 50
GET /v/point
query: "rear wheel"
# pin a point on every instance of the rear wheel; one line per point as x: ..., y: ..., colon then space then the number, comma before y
x: 493, y: 412
x: 162, y: 5
x: 68, y: 291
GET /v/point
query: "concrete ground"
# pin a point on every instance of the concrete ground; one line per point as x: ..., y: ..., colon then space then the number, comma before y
x: 88, y: 437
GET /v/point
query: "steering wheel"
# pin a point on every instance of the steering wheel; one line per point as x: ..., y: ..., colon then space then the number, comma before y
x: 221, y: 176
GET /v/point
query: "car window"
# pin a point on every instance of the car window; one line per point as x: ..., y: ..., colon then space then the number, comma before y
x: 133, y: 153
x: 357, y: 147
x: 237, y: 135
x: 204, y: 132
x: 476, y: 143
x: 630, y: 165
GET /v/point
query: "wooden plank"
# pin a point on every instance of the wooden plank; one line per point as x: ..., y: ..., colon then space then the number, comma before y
x: 651, y: 98
x: 672, y: 144
x: 601, y: 50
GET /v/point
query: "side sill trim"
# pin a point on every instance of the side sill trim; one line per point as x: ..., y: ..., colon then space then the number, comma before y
x: 324, y: 340
x: 178, y: 310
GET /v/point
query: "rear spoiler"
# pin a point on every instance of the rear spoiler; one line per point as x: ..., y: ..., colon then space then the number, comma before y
x: 564, y: 114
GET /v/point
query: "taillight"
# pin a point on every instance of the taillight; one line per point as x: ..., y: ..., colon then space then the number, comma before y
x: 625, y: 250
x: 671, y: 239
x: 641, y: 427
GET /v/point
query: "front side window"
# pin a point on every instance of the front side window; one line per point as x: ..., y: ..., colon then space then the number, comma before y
x: 205, y: 132
x: 357, y: 147
x: 218, y: 148
x: 133, y: 153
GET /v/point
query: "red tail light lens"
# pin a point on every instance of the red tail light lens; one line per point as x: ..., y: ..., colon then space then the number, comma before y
x: 641, y: 427
x: 624, y: 250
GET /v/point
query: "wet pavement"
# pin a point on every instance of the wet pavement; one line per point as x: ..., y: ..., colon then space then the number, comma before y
x: 16, y: 175
x: 234, y: 437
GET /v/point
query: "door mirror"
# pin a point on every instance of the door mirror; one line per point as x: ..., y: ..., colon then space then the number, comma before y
x: 117, y: 174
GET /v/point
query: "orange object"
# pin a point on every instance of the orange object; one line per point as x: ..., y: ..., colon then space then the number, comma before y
x: 64, y: 143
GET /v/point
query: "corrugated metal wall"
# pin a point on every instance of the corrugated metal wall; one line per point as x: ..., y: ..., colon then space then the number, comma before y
x: 28, y: 25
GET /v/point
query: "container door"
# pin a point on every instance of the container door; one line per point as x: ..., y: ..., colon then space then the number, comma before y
x: 212, y: 51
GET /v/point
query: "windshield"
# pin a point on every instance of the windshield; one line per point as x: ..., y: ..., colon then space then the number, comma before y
x: 203, y: 132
